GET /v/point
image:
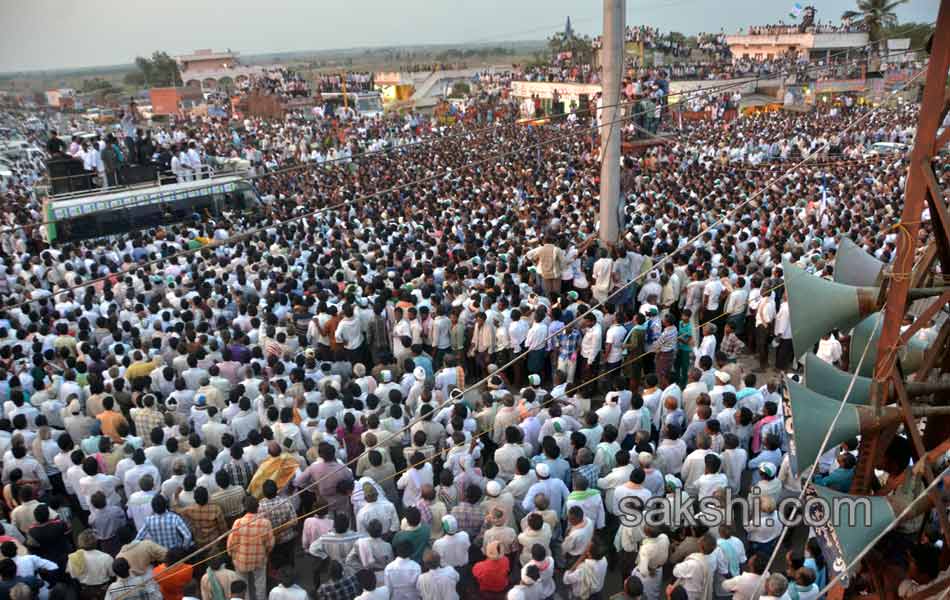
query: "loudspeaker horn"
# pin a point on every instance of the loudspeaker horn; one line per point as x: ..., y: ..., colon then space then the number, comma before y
x: 825, y: 379
x: 809, y: 415
x: 832, y: 382
x: 854, y: 266
x: 817, y: 305
x: 812, y: 414
x: 845, y: 524
x: 867, y: 332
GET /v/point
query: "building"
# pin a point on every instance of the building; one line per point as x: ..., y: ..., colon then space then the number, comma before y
x: 61, y: 98
x: 173, y: 100
x: 807, y: 45
x: 210, y: 70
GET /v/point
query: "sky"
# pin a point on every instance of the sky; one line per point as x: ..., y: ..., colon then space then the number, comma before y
x: 54, y: 34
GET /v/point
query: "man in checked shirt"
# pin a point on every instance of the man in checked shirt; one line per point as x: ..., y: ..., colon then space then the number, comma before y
x: 249, y: 544
x: 282, y: 516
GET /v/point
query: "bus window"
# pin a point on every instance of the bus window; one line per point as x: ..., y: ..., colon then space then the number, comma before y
x: 140, y: 217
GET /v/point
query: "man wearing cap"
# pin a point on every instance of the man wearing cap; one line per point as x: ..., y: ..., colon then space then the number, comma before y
x: 376, y: 509
x: 723, y: 385
x: 498, y: 498
x: 554, y: 489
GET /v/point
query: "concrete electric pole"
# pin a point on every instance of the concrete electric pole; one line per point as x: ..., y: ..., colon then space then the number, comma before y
x: 611, y: 60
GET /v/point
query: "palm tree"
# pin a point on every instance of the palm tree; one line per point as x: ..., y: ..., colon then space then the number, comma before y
x: 876, y: 16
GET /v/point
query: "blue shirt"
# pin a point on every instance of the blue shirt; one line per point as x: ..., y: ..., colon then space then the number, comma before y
x: 167, y: 529
x: 426, y: 363
x: 839, y: 479
x: 560, y: 468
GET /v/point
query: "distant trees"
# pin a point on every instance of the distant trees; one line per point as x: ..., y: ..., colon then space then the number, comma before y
x: 98, y: 85
x: 458, y: 54
x: 580, y: 47
x: 160, y: 70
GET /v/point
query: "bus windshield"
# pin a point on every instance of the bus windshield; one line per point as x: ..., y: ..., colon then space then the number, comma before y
x: 369, y: 104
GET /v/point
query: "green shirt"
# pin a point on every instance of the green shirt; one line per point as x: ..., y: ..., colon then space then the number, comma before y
x: 418, y: 538
x: 685, y: 331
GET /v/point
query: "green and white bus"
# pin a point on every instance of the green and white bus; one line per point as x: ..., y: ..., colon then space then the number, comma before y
x: 102, y: 213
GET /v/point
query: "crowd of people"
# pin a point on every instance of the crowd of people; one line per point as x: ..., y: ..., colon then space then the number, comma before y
x: 439, y: 385
x: 354, y: 82
x: 782, y: 28
x: 278, y: 81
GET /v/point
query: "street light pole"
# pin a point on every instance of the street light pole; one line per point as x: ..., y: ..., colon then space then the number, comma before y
x: 612, y: 61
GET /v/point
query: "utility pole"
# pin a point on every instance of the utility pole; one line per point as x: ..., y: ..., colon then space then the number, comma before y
x: 612, y: 62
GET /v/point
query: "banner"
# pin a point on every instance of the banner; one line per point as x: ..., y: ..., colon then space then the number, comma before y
x: 827, y: 537
x: 790, y: 433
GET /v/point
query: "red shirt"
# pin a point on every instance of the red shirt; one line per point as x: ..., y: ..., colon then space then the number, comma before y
x: 492, y: 575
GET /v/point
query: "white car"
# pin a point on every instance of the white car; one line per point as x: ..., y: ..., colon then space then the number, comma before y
x: 886, y: 149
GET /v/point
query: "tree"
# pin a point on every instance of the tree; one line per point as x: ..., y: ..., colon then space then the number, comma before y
x: 581, y: 47
x: 460, y: 90
x: 918, y: 33
x: 876, y: 15
x: 99, y: 85
x: 134, y: 78
x: 159, y: 71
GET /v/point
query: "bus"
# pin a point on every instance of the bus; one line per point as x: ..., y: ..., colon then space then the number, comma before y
x: 103, y: 213
x: 366, y: 104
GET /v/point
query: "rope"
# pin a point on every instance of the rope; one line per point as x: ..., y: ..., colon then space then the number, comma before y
x: 619, y: 289
x: 480, y: 433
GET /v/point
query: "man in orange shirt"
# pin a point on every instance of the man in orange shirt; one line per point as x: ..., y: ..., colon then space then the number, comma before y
x: 173, y: 578
x: 249, y: 544
x: 109, y: 419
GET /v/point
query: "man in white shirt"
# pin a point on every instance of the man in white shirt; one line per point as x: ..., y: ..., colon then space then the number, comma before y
x: 349, y: 333
x: 694, y: 466
x: 744, y: 586
x: 784, y: 354
x: 697, y: 572
x: 712, y: 293
x: 439, y: 582
x: 587, y: 576
x: 764, y: 316
x: 402, y: 573
x: 580, y: 532
x: 452, y: 548
x: 613, y: 343
x: 829, y: 348
x: 707, y: 347
x: 536, y: 343
x: 376, y: 508
x: 287, y: 589
x: 371, y: 588
x: 591, y: 345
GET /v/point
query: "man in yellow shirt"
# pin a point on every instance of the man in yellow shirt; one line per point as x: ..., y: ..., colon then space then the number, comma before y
x: 141, y: 368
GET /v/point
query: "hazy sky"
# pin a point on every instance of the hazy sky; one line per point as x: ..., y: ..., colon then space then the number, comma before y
x: 42, y: 34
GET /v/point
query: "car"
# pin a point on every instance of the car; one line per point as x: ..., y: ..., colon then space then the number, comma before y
x: 886, y: 149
